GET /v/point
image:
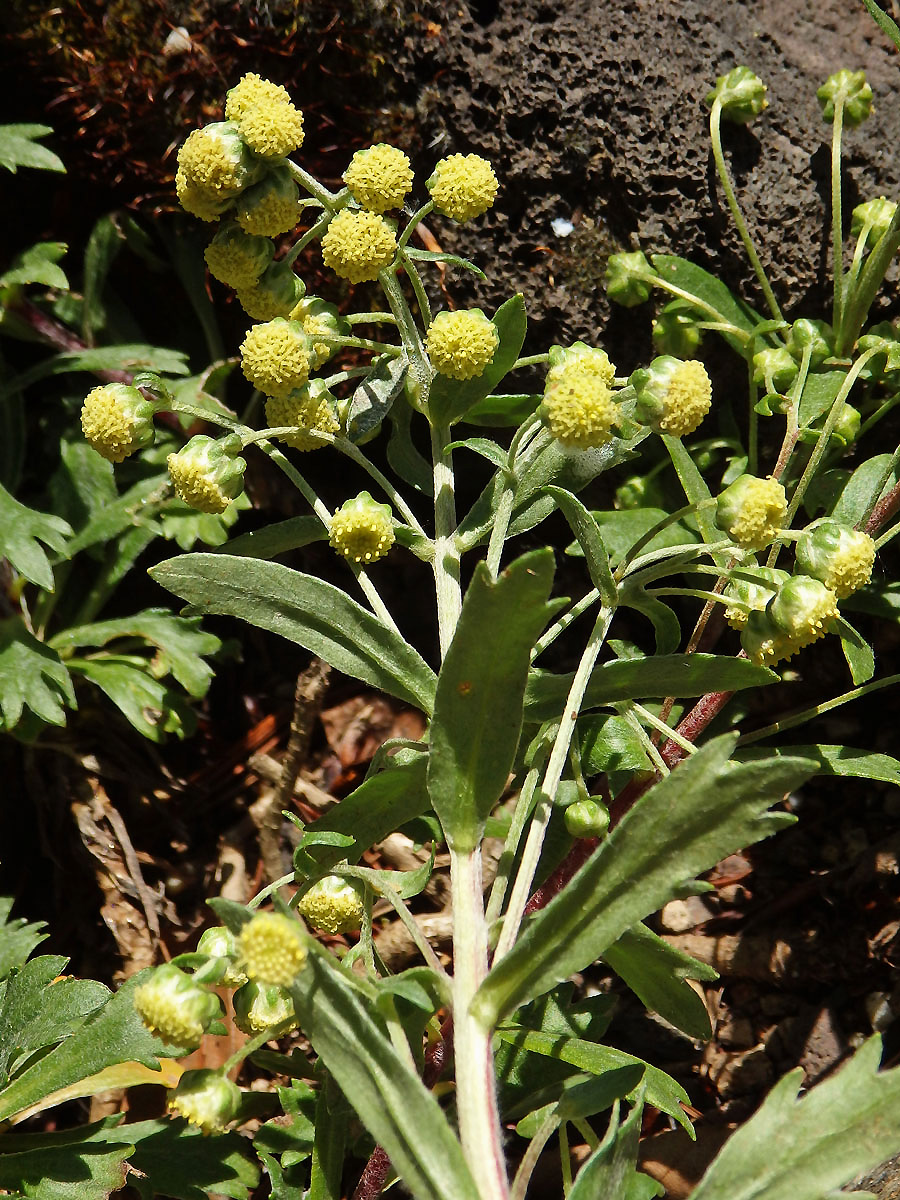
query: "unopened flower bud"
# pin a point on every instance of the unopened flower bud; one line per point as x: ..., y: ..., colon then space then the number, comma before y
x: 310, y: 408
x: 876, y: 215
x: 207, y: 1099
x: 463, y: 186
x: 751, y: 511
x: 275, y: 357
x: 272, y: 948
x: 237, y: 259
x: 271, y: 206
x: 741, y: 94
x: 207, y: 473
x: 746, y: 596
x: 627, y: 278
x: 675, y: 331
x: 259, y: 1006
x: 274, y: 294
x: 266, y: 118
x: 579, y: 358
x: 762, y: 642
x: 672, y: 396
x: 775, y: 368
x: 219, y: 942
x: 117, y: 420
x: 856, y: 93
x: 882, y: 337
x: 379, y: 177
x: 362, y: 530
x: 176, y: 1008
x: 461, y: 344
x: 803, y: 610
x: 319, y: 321
x: 333, y: 904
x: 840, y: 557
x: 815, y: 336
x: 358, y: 244
x: 587, y: 818
x: 639, y: 491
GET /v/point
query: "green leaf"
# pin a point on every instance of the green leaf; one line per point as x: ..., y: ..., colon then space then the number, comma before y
x: 696, y: 491
x: 375, y: 396
x: 37, y: 264
x: 884, y: 22
x: 186, y: 526
x: 656, y: 972
x: 153, y: 708
x: 450, y: 399
x: 391, y: 1100
x: 478, y: 702
x: 610, y: 1169
x: 583, y: 525
x: 116, y: 514
x: 173, y: 1158
x: 705, y: 809
x: 103, y: 245
x: 584, y: 1096
x: 691, y: 278
x: 819, y: 394
x: 305, y: 610
x: 841, y: 761
x: 621, y: 529
x: 179, y: 641
x: 662, y: 1091
x: 452, y: 260
x: 803, y: 1149
x: 666, y: 627
x: 402, y: 454
x: 277, y: 538
x: 610, y: 743
x: 21, y: 532
x: 132, y: 357
x: 77, y: 1164
x: 405, y: 883
x: 504, y: 410
x: 857, y: 651
x: 112, y: 1035
x: 678, y: 675
x: 493, y: 452
x: 859, y: 490
x: 32, y: 676
x: 18, y: 938
x: 19, y: 148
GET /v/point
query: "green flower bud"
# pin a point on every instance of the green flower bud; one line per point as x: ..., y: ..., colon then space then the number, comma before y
x: 840, y: 557
x: 207, y: 473
x: 846, y: 429
x: 274, y: 294
x: 333, y: 904
x: 272, y: 948
x: 741, y: 94
x: 271, y: 206
x: 881, y: 337
x: 675, y: 330
x: 237, y: 259
x: 856, y: 93
x: 876, y: 214
x: 176, y: 1008
x: 220, y: 942
x: 817, y: 336
x: 747, y: 596
x: 362, y: 530
x: 626, y: 278
x: 775, y: 368
x: 207, y: 1099
x: 672, y: 396
x: 639, y: 491
x: 319, y: 319
x: 117, y: 420
x: 259, y: 1006
x: 587, y: 818
x: 751, y: 510
x: 802, y: 610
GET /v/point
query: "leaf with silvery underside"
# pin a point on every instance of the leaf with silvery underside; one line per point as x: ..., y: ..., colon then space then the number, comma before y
x: 450, y: 399
x: 375, y: 395
x: 31, y: 676
x: 503, y: 410
x: 37, y: 264
x: 804, y: 1149
x: 22, y: 530
x: 707, y: 808
x: 438, y: 256
x: 305, y: 610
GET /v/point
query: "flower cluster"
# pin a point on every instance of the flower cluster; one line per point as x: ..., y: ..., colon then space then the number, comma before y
x: 333, y: 905
x: 205, y: 1098
x: 310, y: 408
x: 272, y: 949
x: 461, y: 344
x: 172, y: 1005
x: 275, y: 357
x: 207, y: 473
x: 362, y: 530
x: 751, y: 511
x: 379, y: 177
x: 672, y: 396
x: 117, y: 420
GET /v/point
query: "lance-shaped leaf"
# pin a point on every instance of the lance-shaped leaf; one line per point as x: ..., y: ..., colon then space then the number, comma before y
x: 609, y: 1170
x: 305, y: 610
x: 450, y: 399
x: 478, y: 702
x: 705, y: 809
x: 391, y: 1100
x: 711, y: 291
x: 583, y: 525
x: 804, y: 1149
x: 834, y: 760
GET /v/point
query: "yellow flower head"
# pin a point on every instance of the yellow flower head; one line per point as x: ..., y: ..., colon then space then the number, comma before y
x: 802, y: 612
x: 271, y: 206
x: 237, y: 259
x: 176, y: 1008
x: 379, y: 177
x: 358, y: 244
x: 361, y: 530
x: 267, y: 120
x: 205, y: 1098
x: 751, y: 511
x: 214, y: 159
x: 259, y: 1006
x: 207, y: 204
x: 272, y: 948
x: 748, y: 596
x: 579, y: 358
x: 117, y: 420
x: 274, y: 294
x: 579, y: 411
x: 333, y: 905
x: 311, y: 409
x: 463, y: 186
x: 207, y: 473
x: 673, y: 396
x: 461, y: 344
x: 840, y: 557
x: 275, y: 357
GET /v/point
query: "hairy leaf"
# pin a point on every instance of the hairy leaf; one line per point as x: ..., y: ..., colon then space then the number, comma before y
x: 585, y: 528
x: 610, y: 1168
x: 833, y: 760
x: 375, y: 396
x: 693, y: 279
x: 18, y: 938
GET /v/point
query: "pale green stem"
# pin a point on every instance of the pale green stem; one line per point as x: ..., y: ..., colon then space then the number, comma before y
x: 530, y: 1157
x: 695, y: 548
x: 329, y: 200
x: 353, y: 452
x: 532, y: 360
x: 565, y: 1159
x: 857, y: 304
x: 672, y: 735
x: 697, y: 593
x: 254, y: 1043
x: 502, y: 515
x: 808, y: 714
x: 655, y: 530
x: 793, y: 417
x: 553, y: 774
x: 876, y: 416
x: 418, y: 288
x: 752, y: 422
x: 521, y: 813
x: 400, y: 908
x: 853, y: 274
x: 358, y: 343
x: 887, y: 537
x: 715, y: 133
x: 562, y: 623
x: 419, y: 215
x: 695, y: 302
x: 659, y: 763
x: 837, y: 231
x: 370, y: 318
x: 446, y: 552
x: 303, y: 241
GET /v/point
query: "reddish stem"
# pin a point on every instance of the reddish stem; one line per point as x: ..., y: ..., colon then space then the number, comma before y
x: 883, y: 510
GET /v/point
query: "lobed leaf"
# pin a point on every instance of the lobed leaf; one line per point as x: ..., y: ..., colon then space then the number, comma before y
x: 22, y: 530
x: 19, y: 147
x: 32, y: 676
x: 87, y: 1163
